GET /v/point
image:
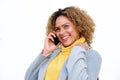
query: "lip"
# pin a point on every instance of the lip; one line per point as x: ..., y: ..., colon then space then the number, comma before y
x: 65, y: 38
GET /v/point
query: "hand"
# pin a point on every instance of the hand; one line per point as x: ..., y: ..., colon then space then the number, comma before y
x: 49, y: 45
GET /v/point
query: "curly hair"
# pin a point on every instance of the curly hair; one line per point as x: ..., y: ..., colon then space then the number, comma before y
x: 80, y: 18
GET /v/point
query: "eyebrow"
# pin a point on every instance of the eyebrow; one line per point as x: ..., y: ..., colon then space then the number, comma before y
x: 63, y: 24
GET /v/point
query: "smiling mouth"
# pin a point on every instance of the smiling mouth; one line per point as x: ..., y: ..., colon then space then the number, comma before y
x: 65, y: 38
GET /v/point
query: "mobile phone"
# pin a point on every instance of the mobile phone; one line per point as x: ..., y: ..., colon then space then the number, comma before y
x: 56, y: 40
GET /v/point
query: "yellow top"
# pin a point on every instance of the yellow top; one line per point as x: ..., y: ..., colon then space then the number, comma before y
x: 54, y: 67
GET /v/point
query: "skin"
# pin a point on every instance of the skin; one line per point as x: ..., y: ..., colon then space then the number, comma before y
x: 66, y: 32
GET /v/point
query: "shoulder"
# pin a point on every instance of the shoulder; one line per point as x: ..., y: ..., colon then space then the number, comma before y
x: 91, y: 53
x: 94, y: 60
x: 93, y: 57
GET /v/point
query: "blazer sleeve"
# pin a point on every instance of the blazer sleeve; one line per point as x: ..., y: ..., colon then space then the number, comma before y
x: 81, y: 66
x: 33, y: 68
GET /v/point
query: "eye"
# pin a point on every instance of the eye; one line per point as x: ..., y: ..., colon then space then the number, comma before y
x: 66, y: 26
x: 57, y: 29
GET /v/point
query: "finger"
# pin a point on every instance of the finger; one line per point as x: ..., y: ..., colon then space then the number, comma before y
x: 51, y: 38
x: 52, y: 34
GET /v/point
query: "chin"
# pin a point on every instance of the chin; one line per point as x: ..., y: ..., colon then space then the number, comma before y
x: 66, y: 45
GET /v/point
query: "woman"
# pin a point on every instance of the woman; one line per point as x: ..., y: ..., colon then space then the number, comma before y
x: 72, y: 58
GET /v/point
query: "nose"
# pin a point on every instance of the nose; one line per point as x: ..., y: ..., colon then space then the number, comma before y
x: 62, y: 31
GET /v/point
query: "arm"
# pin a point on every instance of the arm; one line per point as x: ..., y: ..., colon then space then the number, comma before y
x: 33, y: 68
x: 48, y: 49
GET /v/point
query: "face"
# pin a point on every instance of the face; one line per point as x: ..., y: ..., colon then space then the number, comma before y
x: 66, y: 31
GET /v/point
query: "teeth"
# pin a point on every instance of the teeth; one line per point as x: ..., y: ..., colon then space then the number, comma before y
x: 65, y: 37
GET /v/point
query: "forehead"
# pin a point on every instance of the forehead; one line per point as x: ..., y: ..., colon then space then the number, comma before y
x: 61, y: 20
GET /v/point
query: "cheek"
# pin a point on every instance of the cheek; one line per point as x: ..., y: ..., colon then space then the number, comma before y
x: 75, y: 34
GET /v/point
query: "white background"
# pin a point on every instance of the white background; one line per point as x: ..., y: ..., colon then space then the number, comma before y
x: 22, y: 32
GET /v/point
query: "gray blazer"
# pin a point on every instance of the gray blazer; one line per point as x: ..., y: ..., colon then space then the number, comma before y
x: 81, y: 65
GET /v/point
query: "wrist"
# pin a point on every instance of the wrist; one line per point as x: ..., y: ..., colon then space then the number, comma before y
x: 45, y: 52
